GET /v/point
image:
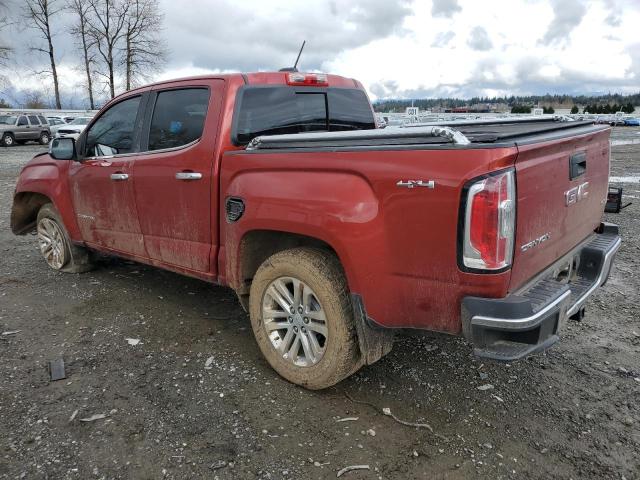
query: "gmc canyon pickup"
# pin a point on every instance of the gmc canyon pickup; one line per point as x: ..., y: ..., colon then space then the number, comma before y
x: 332, y: 232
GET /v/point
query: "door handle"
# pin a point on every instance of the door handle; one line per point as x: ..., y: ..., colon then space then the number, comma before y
x: 188, y: 176
x: 118, y: 177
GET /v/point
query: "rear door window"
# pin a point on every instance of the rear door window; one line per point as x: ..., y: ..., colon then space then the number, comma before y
x: 284, y: 110
x: 178, y: 118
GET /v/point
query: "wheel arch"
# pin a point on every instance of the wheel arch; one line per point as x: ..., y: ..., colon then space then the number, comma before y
x: 43, y: 178
x: 256, y: 246
x: 24, y: 212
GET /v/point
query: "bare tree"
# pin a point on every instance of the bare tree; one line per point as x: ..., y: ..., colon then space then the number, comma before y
x: 85, y: 42
x: 5, y: 49
x: 143, y: 52
x: 38, y: 14
x: 35, y: 99
x: 106, y: 26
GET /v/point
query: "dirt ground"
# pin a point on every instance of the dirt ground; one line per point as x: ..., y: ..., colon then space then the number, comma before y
x: 573, y: 412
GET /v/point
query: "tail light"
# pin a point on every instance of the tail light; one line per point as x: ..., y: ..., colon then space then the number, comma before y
x: 489, y: 222
x: 307, y: 79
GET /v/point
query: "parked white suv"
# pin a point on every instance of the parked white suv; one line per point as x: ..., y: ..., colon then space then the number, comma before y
x: 74, y: 128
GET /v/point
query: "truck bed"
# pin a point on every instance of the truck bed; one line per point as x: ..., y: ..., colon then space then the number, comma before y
x: 497, y: 133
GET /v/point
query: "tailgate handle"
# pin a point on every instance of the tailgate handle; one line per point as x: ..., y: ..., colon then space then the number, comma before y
x: 577, y: 165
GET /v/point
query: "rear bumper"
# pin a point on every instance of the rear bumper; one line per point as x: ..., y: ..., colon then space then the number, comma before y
x: 530, y: 319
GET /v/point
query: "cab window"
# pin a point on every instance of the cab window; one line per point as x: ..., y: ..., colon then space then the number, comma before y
x: 178, y: 118
x: 113, y: 133
x: 284, y: 110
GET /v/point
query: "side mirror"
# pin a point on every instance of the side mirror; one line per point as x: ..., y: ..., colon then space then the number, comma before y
x: 63, y: 149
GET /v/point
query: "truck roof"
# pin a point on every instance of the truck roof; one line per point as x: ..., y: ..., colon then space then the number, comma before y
x: 258, y: 78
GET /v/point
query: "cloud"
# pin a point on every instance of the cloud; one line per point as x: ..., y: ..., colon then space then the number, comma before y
x: 479, y: 39
x: 613, y: 19
x: 445, y: 8
x: 567, y: 15
x: 634, y: 53
x: 268, y: 36
x: 442, y: 39
x: 384, y: 89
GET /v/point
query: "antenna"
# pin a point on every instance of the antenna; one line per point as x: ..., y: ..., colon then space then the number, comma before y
x: 295, y: 65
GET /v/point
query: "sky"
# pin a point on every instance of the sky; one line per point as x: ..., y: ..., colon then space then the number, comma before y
x: 396, y: 48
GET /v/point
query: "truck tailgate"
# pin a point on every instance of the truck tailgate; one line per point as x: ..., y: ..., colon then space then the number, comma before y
x: 558, y: 206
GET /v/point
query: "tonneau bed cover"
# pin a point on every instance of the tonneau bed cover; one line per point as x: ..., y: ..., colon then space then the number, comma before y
x: 488, y: 131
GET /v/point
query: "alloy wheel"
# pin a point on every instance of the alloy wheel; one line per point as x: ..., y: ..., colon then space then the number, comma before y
x: 295, y: 321
x: 51, y: 241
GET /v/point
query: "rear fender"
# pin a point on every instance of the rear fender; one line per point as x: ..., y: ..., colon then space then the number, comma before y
x: 336, y: 208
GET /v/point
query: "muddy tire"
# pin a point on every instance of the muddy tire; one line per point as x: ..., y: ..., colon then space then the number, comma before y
x: 7, y: 140
x: 56, y: 246
x: 302, y: 318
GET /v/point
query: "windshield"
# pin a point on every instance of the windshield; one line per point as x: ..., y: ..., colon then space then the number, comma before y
x: 8, y: 119
x: 278, y: 110
x: 80, y: 121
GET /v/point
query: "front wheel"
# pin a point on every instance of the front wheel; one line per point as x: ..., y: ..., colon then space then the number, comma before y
x: 8, y: 140
x: 302, y: 318
x: 56, y: 246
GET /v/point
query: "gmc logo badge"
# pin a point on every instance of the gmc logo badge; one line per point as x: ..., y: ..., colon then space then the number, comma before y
x: 576, y: 194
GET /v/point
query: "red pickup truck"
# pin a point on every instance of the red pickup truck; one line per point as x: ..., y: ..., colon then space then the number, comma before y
x: 334, y: 233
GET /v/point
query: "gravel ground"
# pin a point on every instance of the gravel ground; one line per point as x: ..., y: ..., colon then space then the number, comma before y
x: 194, y: 398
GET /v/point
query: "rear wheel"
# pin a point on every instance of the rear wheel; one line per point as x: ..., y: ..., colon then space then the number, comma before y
x: 8, y: 140
x: 302, y: 318
x: 56, y: 246
x: 44, y: 138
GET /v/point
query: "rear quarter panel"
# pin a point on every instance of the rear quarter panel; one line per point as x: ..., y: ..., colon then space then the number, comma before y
x: 398, y: 246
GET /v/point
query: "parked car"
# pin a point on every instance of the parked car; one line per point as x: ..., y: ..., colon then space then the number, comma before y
x: 55, y: 123
x: 632, y: 122
x: 334, y: 234
x: 20, y: 128
x: 73, y: 128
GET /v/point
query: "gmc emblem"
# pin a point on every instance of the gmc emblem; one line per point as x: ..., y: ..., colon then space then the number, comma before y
x: 576, y: 194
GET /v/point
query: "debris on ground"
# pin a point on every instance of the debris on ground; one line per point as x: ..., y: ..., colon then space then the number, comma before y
x: 10, y: 332
x: 387, y: 412
x: 73, y: 415
x: 218, y: 465
x: 348, y: 419
x: 485, y: 387
x: 56, y: 369
x: 133, y: 341
x: 351, y: 468
x: 208, y: 363
x: 93, y: 418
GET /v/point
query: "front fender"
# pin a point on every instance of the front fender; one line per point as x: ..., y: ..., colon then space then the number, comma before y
x: 43, y: 176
